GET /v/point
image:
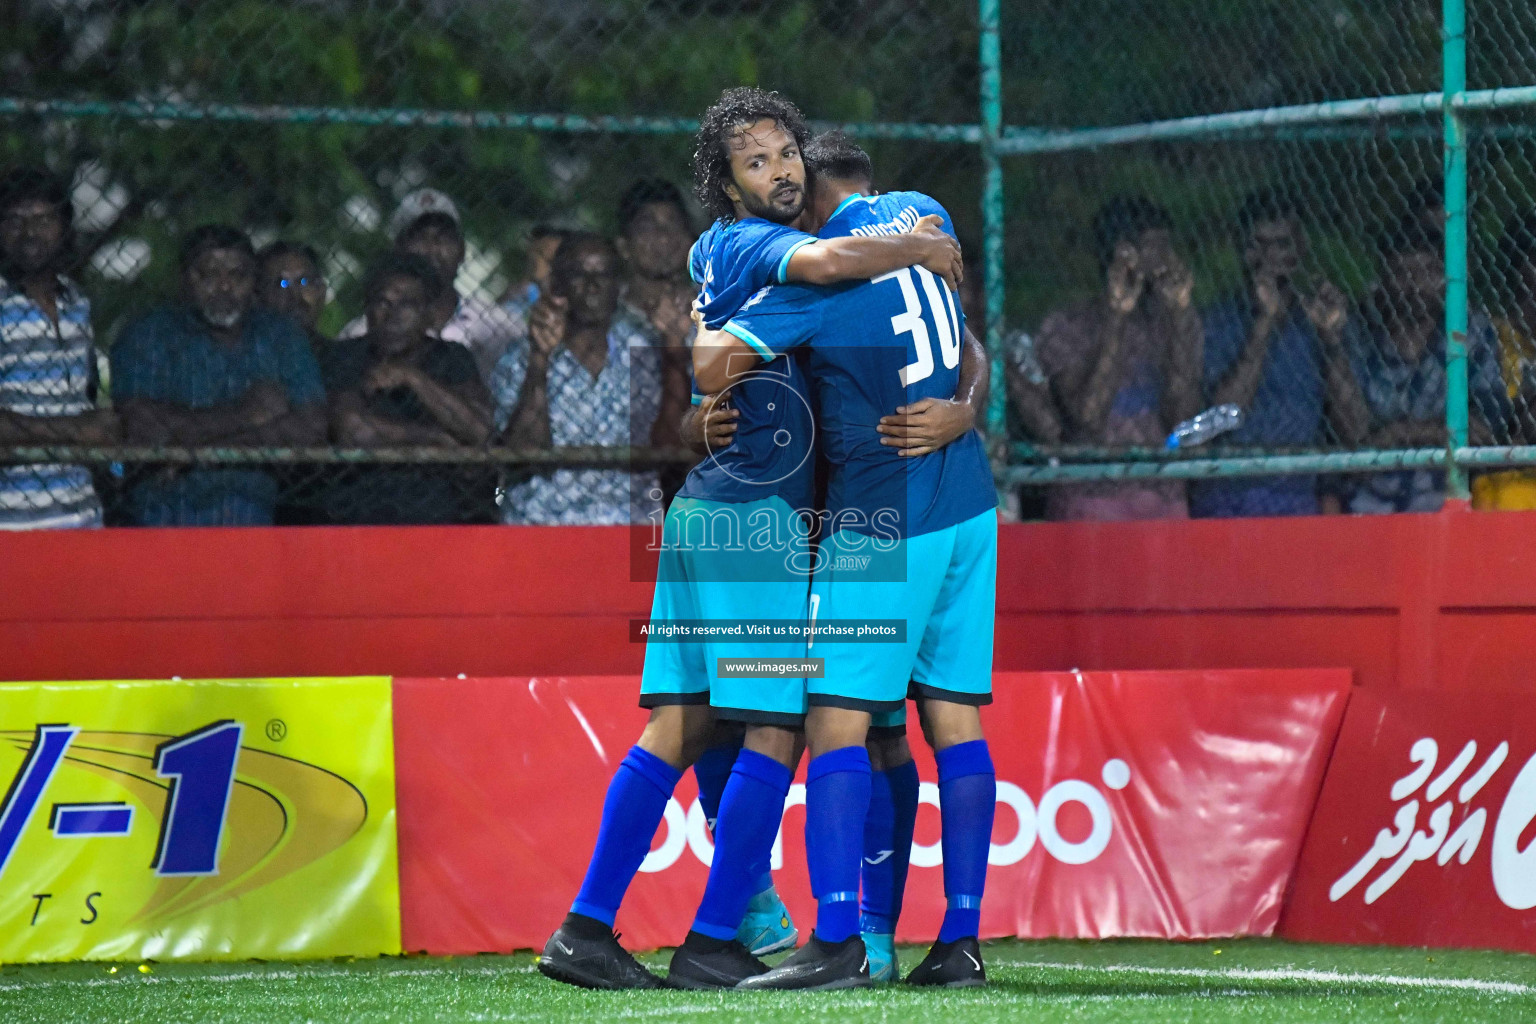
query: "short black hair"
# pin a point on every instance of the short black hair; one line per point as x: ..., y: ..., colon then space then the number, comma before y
x: 1264, y: 206
x: 1125, y: 217
x: 834, y: 155
x: 734, y: 110
x: 33, y: 184
x: 30, y: 184
x: 644, y: 193
x: 1411, y: 234
x: 575, y: 241
x: 214, y: 236
x: 432, y: 220
x: 273, y: 250
x: 402, y: 264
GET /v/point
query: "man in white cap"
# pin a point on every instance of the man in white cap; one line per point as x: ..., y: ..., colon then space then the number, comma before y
x: 427, y: 224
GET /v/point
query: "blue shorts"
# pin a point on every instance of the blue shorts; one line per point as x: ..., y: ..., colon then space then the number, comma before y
x: 724, y: 563
x: 948, y: 599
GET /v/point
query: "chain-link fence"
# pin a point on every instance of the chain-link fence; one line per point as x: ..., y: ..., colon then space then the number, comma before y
x: 1179, y: 206
x: 311, y: 123
x: 1350, y: 189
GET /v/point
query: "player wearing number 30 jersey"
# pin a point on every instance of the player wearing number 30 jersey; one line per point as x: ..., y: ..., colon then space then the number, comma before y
x: 733, y: 547
x: 891, y: 341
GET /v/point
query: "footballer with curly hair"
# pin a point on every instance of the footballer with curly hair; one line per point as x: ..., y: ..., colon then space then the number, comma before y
x: 749, y: 173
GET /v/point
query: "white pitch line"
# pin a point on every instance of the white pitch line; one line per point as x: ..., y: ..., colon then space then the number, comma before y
x: 129, y: 977
x: 1287, y: 974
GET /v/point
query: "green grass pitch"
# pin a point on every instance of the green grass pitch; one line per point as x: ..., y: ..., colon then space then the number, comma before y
x: 1038, y: 982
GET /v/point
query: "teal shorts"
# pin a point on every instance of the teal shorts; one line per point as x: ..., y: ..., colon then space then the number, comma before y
x: 945, y: 588
x: 724, y: 563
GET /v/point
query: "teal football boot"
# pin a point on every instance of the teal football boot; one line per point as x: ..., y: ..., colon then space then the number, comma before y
x: 767, y: 928
x: 882, y: 957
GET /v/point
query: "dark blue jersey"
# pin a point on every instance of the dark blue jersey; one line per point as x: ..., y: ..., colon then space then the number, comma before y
x: 734, y: 259
x: 874, y: 346
x: 772, y: 452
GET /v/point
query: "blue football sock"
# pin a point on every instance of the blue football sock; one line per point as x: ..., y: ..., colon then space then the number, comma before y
x: 713, y: 771
x: 967, y: 802
x: 749, y: 821
x: 888, y: 846
x: 836, y: 804
x: 637, y: 798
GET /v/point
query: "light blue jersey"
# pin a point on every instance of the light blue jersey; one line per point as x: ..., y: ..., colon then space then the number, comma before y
x: 734, y: 259
x: 772, y: 452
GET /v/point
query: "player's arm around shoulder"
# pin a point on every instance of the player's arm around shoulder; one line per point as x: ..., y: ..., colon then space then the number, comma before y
x: 852, y: 258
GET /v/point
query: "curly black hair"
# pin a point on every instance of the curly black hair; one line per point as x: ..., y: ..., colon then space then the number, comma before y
x: 733, y: 111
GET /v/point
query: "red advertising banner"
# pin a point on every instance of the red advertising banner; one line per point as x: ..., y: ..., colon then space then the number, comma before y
x: 1425, y: 832
x: 1168, y: 804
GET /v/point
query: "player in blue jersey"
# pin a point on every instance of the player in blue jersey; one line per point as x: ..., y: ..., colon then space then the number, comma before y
x: 913, y: 539
x: 713, y: 564
x: 749, y: 173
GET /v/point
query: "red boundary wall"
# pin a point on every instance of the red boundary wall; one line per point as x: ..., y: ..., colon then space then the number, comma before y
x: 1421, y: 601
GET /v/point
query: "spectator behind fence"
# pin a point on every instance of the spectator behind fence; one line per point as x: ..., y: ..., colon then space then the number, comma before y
x: 47, y: 358
x: 1277, y: 350
x: 427, y: 225
x: 214, y: 370
x: 289, y: 280
x: 397, y: 386
x: 655, y: 235
x: 1400, y: 360
x: 1125, y: 367
x: 1515, y: 489
x: 520, y: 296
x: 584, y: 377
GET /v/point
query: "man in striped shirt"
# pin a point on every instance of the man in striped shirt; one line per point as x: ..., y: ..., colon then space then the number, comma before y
x: 47, y: 358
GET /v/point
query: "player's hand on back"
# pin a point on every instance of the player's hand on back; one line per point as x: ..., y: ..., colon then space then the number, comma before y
x: 718, y: 419
x: 944, y: 256
x: 926, y: 425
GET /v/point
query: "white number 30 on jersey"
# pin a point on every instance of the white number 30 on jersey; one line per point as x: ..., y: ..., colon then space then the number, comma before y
x: 941, y: 304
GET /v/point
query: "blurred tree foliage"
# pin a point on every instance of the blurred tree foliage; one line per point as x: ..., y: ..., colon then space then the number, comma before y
x: 1067, y: 63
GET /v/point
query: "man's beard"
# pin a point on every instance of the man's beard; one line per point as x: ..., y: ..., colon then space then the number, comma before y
x: 767, y: 211
x: 15, y: 267
x: 222, y: 319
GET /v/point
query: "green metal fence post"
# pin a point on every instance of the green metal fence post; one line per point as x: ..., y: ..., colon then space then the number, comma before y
x: 992, y: 215
x: 1454, y: 86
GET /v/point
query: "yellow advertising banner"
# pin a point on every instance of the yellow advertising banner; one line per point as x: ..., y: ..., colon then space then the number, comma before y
x: 197, y: 820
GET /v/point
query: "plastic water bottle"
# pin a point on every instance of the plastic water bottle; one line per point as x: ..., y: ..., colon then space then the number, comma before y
x: 1205, y: 426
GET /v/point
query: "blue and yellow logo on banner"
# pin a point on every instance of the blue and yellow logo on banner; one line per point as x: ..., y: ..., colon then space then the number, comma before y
x: 198, y: 819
